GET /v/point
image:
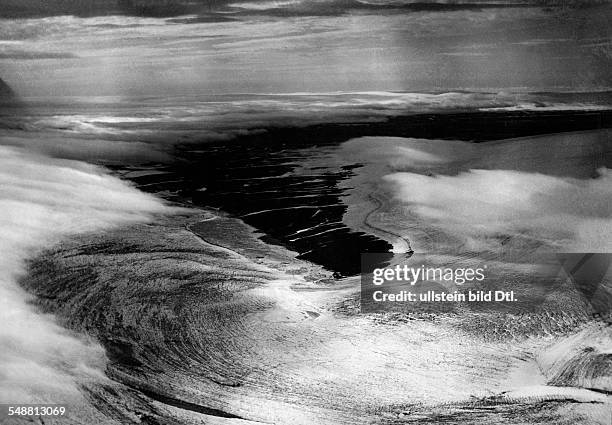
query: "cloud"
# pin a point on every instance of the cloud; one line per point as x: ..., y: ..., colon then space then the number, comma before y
x: 550, y: 192
x: 476, y: 205
x: 87, y: 149
x: 25, y: 55
x: 42, y: 201
x: 24, y: 8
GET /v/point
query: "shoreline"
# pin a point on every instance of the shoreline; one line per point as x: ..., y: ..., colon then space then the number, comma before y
x: 232, y: 329
x: 280, y: 302
x: 280, y: 195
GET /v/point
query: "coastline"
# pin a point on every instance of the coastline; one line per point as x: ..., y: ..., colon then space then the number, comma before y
x: 264, y: 317
x: 287, y: 180
x: 237, y: 348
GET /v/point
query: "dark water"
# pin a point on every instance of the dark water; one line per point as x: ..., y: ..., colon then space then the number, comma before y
x: 257, y: 178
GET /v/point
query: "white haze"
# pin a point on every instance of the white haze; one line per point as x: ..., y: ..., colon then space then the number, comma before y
x: 478, y: 192
x: 570, y: 214
x: 43, y: 200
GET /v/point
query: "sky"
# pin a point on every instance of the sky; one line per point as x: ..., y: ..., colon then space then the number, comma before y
x: 284, y: 47
x: 28, y: 8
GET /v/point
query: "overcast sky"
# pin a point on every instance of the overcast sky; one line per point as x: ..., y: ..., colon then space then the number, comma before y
x: 259, y: 51
x: 25, y: 8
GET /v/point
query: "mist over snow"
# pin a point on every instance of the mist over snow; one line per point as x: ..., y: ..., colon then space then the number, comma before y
x: 552, y: 189
x: 570, y: 214
x: 43, y: 200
